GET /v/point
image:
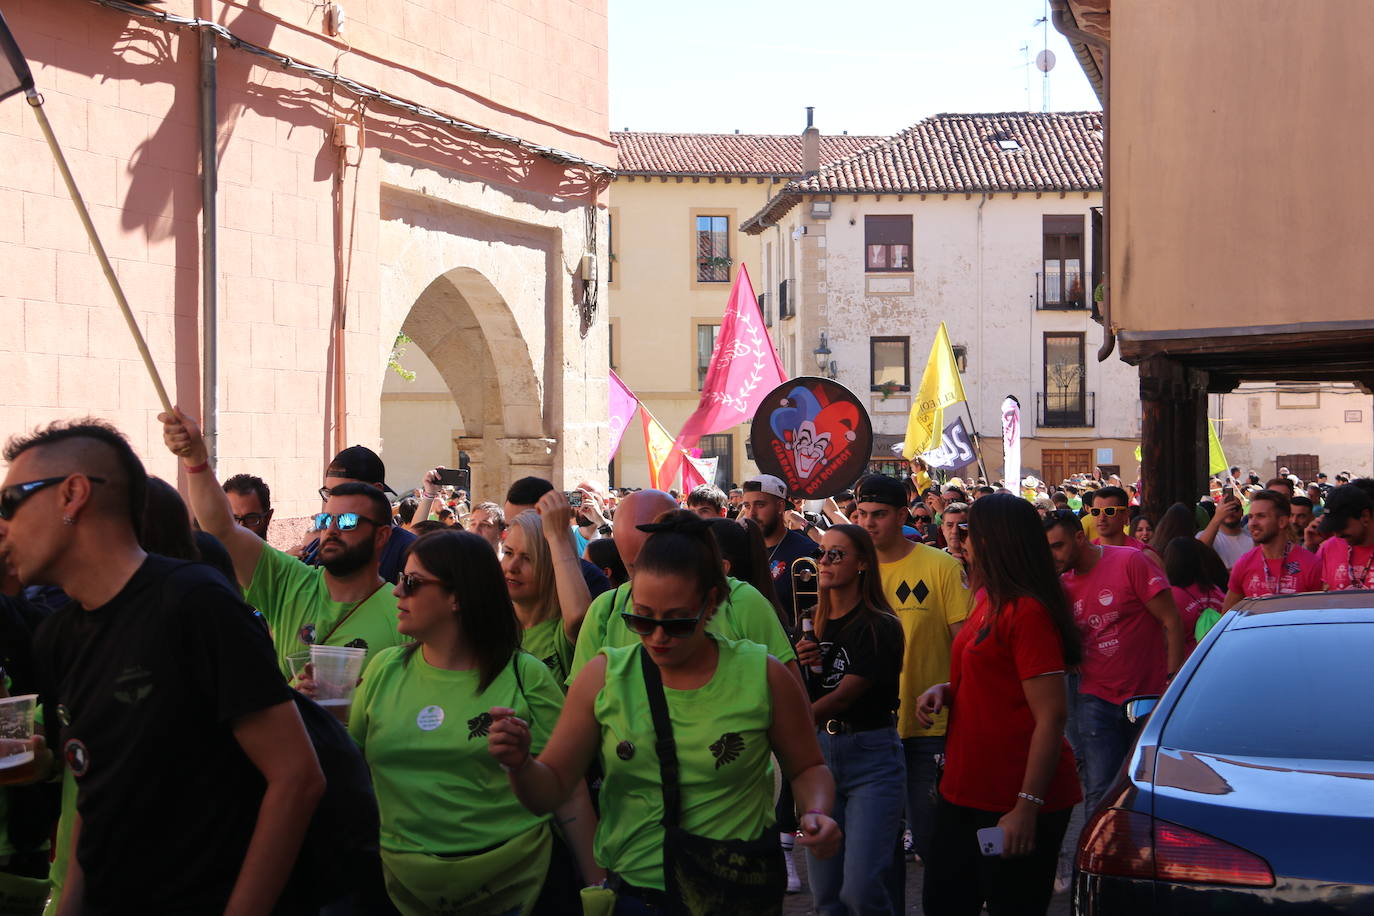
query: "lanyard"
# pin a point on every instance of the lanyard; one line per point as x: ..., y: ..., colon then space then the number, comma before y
x: 344, y: 619
x: 1273, y: 589
x: 1350, y: 566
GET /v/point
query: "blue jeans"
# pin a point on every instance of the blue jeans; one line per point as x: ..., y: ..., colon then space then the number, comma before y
x: 1104, y: 737
x: 870, y: 785
x: 924, y: 757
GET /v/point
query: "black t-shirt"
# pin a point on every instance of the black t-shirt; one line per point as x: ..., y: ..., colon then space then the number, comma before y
x: 868, y: 645
x: 146, y: 690
x: 793, y: 546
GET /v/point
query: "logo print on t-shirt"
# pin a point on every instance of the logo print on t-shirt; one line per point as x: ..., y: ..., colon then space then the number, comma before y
x: 430, y: 718
x: 78, y: 758
x: 1105, y: 597
x: 479, y: 725
x: 905, y: 591
x: 133, y: 685
x: 727, y: 748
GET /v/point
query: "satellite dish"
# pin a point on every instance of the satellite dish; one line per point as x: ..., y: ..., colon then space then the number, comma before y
x: 1044, y: 61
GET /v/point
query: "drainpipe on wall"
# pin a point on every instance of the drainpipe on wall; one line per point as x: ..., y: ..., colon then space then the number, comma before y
x: 1065, y: 25
x: 209, y: 243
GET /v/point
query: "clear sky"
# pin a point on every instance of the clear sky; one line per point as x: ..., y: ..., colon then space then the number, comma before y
x: 868, y: 66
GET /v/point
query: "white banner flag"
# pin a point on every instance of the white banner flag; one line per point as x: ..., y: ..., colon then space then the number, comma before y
x: 1011, y: 443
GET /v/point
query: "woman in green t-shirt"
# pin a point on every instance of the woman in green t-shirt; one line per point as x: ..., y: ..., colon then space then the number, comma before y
x: 545, y: 583
x: 730, y: 706
x: 452, y: 838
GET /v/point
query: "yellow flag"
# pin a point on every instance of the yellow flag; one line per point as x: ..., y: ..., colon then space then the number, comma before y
x: 1216, y: 458
x: 940, y: 387
x: 658, y: 444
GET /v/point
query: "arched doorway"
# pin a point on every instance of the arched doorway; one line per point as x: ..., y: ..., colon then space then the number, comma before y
x: 467, y: 331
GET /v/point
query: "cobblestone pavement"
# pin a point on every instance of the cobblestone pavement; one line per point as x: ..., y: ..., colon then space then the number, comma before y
x: 800, y: 904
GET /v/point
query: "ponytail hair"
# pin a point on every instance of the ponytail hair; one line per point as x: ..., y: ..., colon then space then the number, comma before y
x: 681, y: 544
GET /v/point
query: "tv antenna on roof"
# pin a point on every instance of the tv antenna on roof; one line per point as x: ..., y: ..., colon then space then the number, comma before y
x: 1044, y: 61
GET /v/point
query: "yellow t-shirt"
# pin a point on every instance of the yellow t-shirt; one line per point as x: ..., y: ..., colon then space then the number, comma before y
x: 928, y: 592
x: 1090, y: 527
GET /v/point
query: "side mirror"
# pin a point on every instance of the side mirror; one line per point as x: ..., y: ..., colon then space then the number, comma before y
x: 1138, y: 709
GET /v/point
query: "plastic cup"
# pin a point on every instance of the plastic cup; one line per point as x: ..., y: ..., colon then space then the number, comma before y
x: 297, y: 664
x: 337, y: 669
x: 16, y: 730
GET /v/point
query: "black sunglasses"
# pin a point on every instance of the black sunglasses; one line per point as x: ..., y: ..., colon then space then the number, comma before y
x: 673, y: 627
x: 344, y: 521
x: 833, y: 555
x: 409, y: 583
x: 15, y: 495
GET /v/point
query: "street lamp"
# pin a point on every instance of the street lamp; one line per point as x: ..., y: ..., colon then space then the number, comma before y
x: 822, y: 354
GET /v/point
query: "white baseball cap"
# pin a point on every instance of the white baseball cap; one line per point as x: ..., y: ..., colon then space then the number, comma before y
x: 767, y: 483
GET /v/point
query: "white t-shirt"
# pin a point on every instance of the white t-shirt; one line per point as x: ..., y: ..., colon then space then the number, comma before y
x: 1231, y: 547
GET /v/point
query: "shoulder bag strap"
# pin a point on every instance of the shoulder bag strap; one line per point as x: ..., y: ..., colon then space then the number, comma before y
x: 664, y: 745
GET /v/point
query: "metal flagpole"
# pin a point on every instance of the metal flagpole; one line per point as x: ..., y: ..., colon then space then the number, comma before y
x: 977, y: 441
x: 36, y: 103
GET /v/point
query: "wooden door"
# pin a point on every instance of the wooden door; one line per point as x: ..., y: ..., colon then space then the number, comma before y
x: 1056, y: 464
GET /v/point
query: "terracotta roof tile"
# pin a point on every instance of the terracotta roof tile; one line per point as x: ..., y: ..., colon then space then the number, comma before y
x: 1058, y: 151
x: 724, y: 154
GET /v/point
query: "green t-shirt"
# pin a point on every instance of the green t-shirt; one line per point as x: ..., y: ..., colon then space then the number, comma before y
x: 548, y: 642
x: 424, y: 731
x: 745, y: 614
x: 721, y: 732
x: 293, y: 596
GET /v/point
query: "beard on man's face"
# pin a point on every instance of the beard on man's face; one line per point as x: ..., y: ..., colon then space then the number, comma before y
x: 342, y: 559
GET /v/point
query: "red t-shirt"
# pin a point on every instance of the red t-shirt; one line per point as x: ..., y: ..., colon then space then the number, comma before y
x: 990, y: 723
x: 1344, y: 566
x: 1191, y: 602
x: 1124, y: 652
x: 1296, y: 571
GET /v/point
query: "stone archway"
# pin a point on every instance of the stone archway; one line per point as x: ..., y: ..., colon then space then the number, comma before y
x: 467, y: 330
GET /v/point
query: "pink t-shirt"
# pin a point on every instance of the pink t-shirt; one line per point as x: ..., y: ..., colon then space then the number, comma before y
x: 1337, y: 558
x: 1297, y: 571
x: 1124, y: 652
x: 1137, y: 544
x: 1191, y: 602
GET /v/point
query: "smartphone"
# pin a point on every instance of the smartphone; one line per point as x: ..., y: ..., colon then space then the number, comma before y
x: 574, y: 498
x: 460, y: 478
x: 990, y: 841
x: 1227, y: 493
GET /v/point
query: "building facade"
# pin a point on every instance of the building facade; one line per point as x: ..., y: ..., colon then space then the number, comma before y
x: 675, y: 211
x: 450, y: 188
x: 988, y: 222
x: 1234, y: 239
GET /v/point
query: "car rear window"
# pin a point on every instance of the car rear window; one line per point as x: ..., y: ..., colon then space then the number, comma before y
x: 1281, y: 691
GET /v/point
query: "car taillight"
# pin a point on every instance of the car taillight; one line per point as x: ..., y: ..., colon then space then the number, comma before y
x: 1129, y: 844
x: 1117, y: 842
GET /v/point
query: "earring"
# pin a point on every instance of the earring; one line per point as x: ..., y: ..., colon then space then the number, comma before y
x: 68, y: 520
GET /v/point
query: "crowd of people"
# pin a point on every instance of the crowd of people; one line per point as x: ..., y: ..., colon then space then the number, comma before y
x: 595, y: 700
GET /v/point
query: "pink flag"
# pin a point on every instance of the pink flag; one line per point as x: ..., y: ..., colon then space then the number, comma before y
x: 744, y: 368
x: 623, y: 404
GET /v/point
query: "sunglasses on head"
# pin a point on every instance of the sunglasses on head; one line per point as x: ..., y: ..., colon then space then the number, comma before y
x: 1108, y: 511
x: 14, y: 496
x: 409, y: 583
x: 673, y: 627
x: 344, y: 521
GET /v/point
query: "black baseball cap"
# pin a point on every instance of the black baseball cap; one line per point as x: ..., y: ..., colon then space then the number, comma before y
x: 1342, y: 504
x: 881, y: 489
x: 358, y: 462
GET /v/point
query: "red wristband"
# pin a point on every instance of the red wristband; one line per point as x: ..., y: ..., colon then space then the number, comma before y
x: 200, y: 468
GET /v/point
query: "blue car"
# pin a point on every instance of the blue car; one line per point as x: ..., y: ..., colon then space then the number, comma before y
x: 1251, y: 786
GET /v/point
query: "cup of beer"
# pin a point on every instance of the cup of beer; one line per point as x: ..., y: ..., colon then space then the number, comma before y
x: 16, y: 730
x: 336, y: 670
